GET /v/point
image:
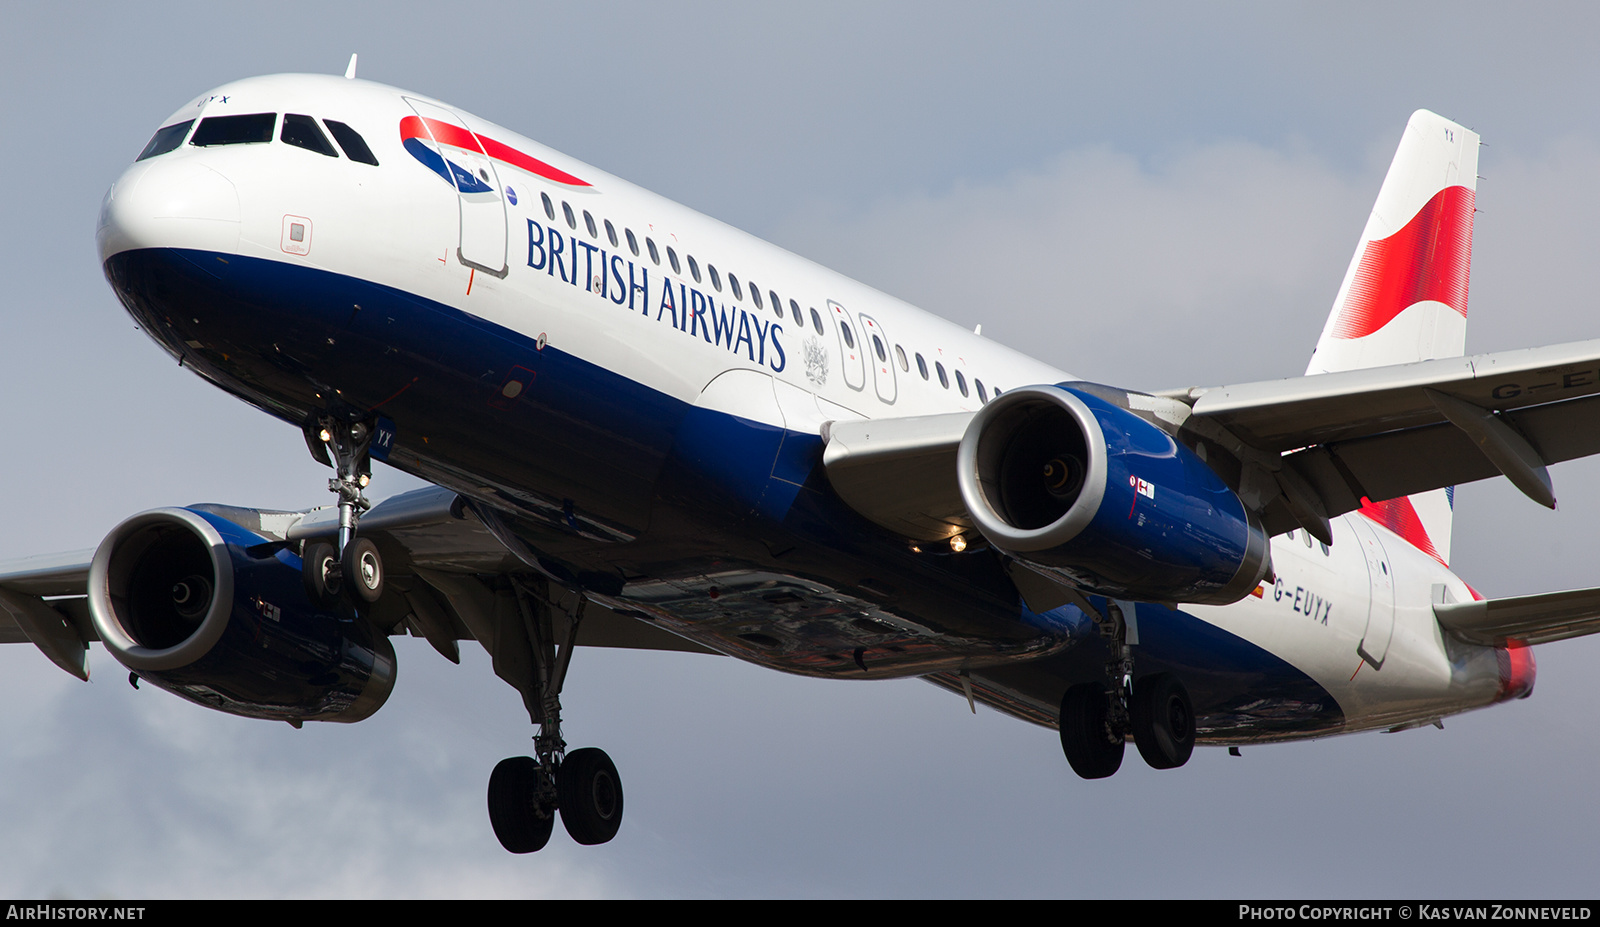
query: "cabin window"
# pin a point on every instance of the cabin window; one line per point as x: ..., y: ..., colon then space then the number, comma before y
x: 738, y: 293
x: 165, y: 139
x: 961, y: 383
x: 716, y: 281
x: 302, y: 132
x: 1325, y: 551
x: 944, y: 380
x: 777, y: 305
x: 1308, y: 539
x: 755, y: 294
x: 611, y: 233
x: 816, y: 318
x: 900, y: 355
x: 983, y: 394
x: 877, y: 345
x: 672, y: 258
x: 355, y: 147
x: 247, y: 129
x: 588, y: 222
x: 694, y: 267
x: 655, y: 258
x: 922, y: 367
x: 633, y: 243
x: 572, y: 221
x: 549, y: 207
x: 849, y: 336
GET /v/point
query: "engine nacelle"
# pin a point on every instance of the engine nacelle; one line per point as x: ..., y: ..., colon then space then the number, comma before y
x: 217, y: 614
x: 1072, y: 484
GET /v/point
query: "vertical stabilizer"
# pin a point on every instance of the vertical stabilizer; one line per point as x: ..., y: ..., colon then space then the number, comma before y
x: 1404, y: 298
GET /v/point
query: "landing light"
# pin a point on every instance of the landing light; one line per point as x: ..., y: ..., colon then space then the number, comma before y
x: 958, y: 543
x: 325, y: 436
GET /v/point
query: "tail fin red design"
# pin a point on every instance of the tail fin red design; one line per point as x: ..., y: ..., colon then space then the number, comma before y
x: 1404, y: 296
x: 1429, y: 259
x: 1400, y: 516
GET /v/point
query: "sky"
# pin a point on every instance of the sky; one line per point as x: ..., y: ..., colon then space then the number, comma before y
x: 1150, y: 195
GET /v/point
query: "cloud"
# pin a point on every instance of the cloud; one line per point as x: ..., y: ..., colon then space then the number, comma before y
x: 1214, y: 263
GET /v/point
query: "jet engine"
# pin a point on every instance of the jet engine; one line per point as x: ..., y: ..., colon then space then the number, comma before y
x: 1072, y: 484
x: 219, y: 615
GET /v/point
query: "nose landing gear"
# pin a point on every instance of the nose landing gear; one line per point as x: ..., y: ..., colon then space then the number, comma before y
x: 353, y: 569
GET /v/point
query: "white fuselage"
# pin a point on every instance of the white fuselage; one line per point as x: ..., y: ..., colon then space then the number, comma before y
x: 1356, y: 618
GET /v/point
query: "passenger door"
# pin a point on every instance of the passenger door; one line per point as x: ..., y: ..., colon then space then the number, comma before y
x: 482, y: 206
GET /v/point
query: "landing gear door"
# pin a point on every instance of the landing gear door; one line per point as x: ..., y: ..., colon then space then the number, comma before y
x: 477, y: 183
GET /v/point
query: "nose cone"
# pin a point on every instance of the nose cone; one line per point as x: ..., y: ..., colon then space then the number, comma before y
x: 169, y: 202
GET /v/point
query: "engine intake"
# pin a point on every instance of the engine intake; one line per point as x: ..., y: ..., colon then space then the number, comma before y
x: 216, y: 614
x: 1075, y: 485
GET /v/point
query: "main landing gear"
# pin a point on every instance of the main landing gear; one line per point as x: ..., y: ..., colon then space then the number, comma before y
x: 526, y: 793
x: 353, y: 569
x: 1096, y: 717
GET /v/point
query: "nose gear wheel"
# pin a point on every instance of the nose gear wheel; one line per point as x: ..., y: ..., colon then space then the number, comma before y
x: 355, y: 569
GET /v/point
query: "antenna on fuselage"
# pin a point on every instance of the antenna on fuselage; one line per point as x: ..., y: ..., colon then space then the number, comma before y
x: 350, y: 72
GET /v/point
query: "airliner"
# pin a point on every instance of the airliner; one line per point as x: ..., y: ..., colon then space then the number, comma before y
x: 644, y: 428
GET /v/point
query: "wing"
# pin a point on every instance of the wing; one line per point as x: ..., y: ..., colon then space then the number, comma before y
x: 1301, y: 450
x: 1385, y: 432
x: 441, y: 555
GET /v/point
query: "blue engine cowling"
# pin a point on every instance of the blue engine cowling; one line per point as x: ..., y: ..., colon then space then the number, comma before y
x: 218, y: 615
x: 1075, y: 485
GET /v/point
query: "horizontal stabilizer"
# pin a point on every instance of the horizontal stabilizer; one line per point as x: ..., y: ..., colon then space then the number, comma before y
x: 1531, y: 619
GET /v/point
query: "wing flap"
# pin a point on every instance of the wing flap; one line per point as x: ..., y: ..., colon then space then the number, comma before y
x: 1531, y: 619
x: 60, y: 629
x: 1414, y: 460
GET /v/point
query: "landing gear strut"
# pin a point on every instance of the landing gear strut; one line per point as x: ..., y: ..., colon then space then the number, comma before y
x: 354, y: 568
x: 1096, y: 717
x: 525, y: 793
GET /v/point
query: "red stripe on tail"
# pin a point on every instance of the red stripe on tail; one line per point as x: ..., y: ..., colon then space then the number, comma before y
x: 1429, y: 259
x: 1400, y: 516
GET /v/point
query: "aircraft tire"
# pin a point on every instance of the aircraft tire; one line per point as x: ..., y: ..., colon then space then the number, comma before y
x: 319, y: 569
x: 362, y: 567
x: 1083, y: 732
x: 1163, y: 721
x: 591, y: 796
x: 513, y: 814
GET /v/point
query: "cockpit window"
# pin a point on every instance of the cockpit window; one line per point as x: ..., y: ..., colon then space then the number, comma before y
x: 234, y: 130
x: 165, y: 139
x: 355, y: 147
x: 302, y: 132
